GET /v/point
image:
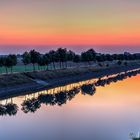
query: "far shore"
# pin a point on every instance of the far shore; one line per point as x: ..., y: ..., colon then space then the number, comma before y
x: 30, y: 82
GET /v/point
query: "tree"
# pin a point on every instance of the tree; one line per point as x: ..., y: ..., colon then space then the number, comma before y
x: 52, y: 57
x: 62, y: 56
x: 92, y: 54
x: 26, y: 59
x: 84, y: 57
x: 109, y: 57
x: 70, y: 55
x: 120, y: 57
x: 76, y: 59
x: 1, y: 61
x: 34, y: 57
x: 9, y: 61
x: 88, y: 56
x: 47, y: 60
x: 99, y: 58
x: 13, y: 59
x: 115, y: 57
x: 41, y: 61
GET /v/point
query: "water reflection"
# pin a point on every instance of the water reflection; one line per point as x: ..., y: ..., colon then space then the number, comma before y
x: 88, y: 89
x: 30, y: 105
x: 117, y: 78
x: 61, y: 95
x: 8, y: 109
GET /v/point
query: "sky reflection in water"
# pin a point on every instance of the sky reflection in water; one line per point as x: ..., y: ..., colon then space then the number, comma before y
x: 106, y: 108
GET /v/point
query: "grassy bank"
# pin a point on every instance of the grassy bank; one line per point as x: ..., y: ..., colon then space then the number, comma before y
x: 60, y: 73
x: 23, y: 78
x: 54, y: 75
x: 46, y: 75
x: 21, y: 83
x: 29, y: 68
x: 13, y: 79
x: 21, y: 68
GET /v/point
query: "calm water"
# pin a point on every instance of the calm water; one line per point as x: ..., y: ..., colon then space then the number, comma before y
x: 78, y: 112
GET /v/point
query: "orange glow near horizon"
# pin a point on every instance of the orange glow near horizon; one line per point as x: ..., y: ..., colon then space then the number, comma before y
x: 71, y: 39
x: 75, y: 22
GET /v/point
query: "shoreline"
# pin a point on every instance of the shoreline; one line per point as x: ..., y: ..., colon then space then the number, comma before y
x: 32, y: 87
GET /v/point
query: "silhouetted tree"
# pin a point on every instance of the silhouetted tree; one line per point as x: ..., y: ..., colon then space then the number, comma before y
x: 1, y: 62
x: 52, y: 57
x: 9, y: 61
x: 41, y: 60
x: 12, y: 61
x: 88, y: 56
x: 61, y: 54
x: 76, y: 59
x: 34, y: 57
x: 47, y: 60
x: 70, y: 55
x: 108, y: 57
x: 26, y: 59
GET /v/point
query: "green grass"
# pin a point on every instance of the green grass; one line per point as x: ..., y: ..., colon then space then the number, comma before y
x: 16, y: 69
x: 21, y: 68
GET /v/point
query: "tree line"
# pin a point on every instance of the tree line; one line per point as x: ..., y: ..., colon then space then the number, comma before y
x: 62, y: 56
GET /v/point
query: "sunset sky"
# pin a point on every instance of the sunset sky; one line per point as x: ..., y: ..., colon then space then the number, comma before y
x: 106, y: 25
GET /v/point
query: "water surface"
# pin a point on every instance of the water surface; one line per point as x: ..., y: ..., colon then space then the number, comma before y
x: 109, y: 112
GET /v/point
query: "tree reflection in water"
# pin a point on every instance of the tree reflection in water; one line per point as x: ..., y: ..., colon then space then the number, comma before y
x: 47, y: 99
x: 88, y: 89
x: 58, y: 98
x: 61, y: 97
x: 30, y: 105
x: 8, y: 109
x: 117, y: 78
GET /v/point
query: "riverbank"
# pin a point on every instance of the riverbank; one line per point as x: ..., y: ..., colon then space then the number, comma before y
x: 24, y: 83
